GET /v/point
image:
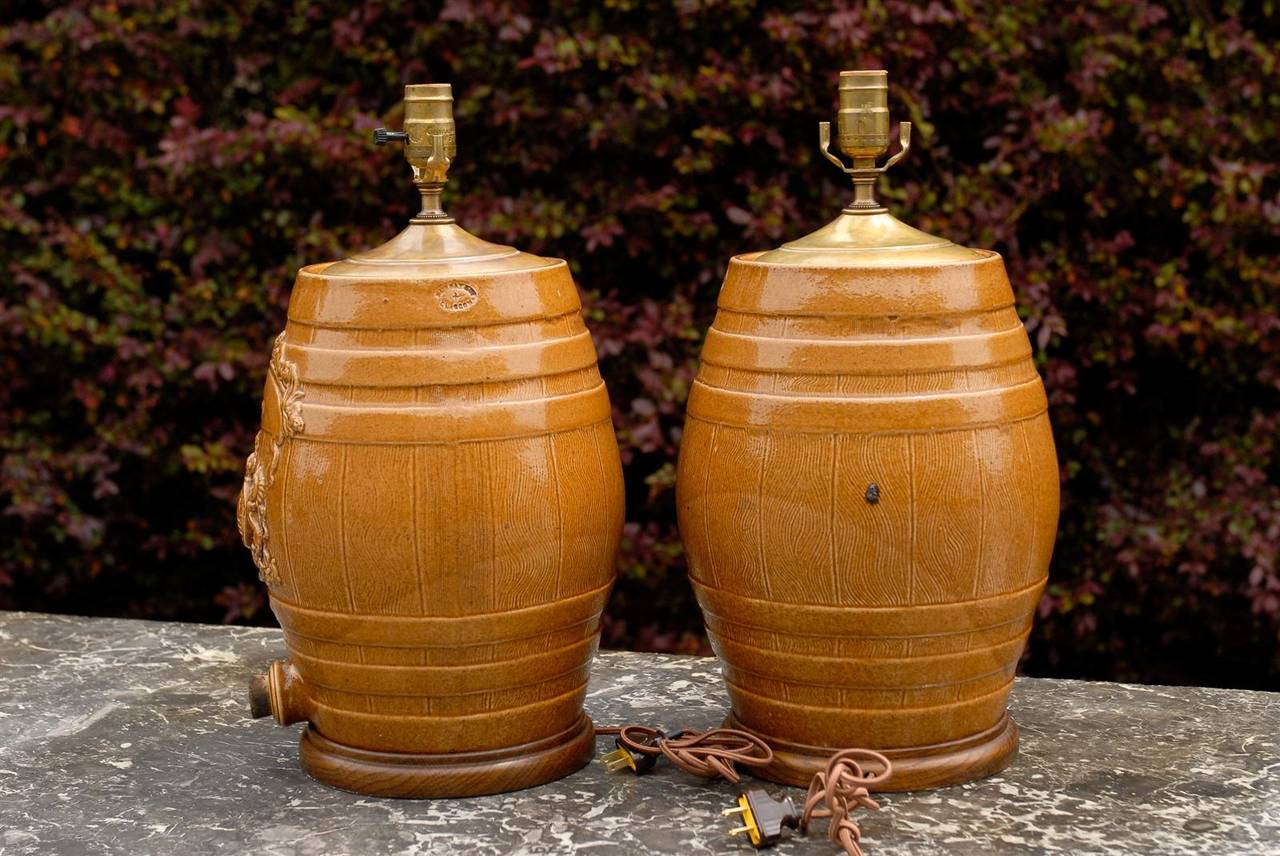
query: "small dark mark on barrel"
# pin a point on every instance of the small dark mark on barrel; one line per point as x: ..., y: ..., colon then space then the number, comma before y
x: 873, y: 493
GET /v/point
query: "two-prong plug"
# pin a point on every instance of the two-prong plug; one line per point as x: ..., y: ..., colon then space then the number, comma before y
x: 763, y: 817
x: 623, y: 758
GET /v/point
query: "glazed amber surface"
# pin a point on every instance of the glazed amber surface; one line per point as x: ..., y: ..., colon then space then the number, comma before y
x: 435, y: 501
x: 868, y: 498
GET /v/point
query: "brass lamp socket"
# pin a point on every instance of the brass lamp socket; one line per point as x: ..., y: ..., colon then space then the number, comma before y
x: 428, y: 122
x: 862, y: 126
x: 863, y: 120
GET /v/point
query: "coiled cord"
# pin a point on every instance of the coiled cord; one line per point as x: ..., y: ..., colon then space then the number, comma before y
x: 840, y: 789
x: 708, y: 754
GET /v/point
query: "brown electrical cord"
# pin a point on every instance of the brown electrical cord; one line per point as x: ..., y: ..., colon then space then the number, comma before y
x: 842, y: 788
x: 704, y: 753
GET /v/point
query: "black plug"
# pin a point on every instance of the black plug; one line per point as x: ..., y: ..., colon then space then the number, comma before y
x: 622, y: 757
x: 763, y: 817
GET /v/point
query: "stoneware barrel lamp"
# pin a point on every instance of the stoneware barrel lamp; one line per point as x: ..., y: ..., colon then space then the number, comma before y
x: 867, y: 488
x: 435, y: 502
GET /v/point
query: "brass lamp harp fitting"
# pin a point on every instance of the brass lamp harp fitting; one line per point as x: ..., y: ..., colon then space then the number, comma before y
x: 863, y: 127
x: 431, y: 143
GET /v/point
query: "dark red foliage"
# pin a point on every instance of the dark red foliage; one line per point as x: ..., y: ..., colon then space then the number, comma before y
x: 165, y: 168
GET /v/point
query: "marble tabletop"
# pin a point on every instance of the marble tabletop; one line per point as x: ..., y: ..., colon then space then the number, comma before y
x: 134, y: 737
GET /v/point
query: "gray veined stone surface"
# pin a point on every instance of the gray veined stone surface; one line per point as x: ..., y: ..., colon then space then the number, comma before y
x: 134, y: 737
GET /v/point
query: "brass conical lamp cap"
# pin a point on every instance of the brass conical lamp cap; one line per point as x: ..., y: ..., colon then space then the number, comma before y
x: 433, y: 243
x: 866, y: 234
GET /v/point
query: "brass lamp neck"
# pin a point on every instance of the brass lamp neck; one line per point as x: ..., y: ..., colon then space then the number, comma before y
x: 431, y: 144
x: 863, y: 128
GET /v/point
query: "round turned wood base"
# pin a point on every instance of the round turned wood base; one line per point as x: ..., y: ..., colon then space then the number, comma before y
x: 465, y: 774
x: 914, y: 769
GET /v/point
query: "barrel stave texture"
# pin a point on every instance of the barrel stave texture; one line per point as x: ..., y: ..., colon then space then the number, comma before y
x: 444, y: 507
x: 868, y: 497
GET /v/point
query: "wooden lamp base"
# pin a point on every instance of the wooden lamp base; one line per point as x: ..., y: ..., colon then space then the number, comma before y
x: 916, y: 768
x: 462, y: 774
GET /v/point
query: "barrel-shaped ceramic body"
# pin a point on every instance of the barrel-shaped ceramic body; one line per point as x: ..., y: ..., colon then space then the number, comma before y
x: 436, y: 501
x: 868, y: 497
